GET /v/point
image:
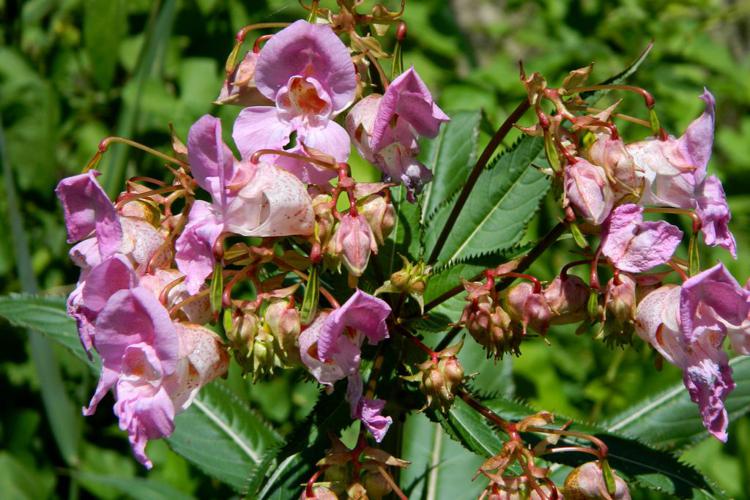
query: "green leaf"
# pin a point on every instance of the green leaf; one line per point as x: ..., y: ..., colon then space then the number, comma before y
x: 652, y: 468
x: 133, y: 487
x: 20, y: 481
x: 223, y: 437
x: 46, y: 315
x: 440, y: 467
x: 104, y: 24
x: 620, y: 77
x: 450, y: 156
x: 671, y: 420
x: 494, y: 217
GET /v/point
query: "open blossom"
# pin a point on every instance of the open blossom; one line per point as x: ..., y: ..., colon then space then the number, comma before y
x: 385, y: 129
x: 330, y: 348
x: 687, y: 325
x: 154, y: 365
x: 306, y: 71
x: 675, y: 172
x: 248, y: 199
x: 589, y: 191
x: 634, y: 245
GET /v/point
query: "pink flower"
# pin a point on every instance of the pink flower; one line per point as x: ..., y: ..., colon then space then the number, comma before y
x: 248, y: 199
x: 687, y: 325
x: 330, y: 348
x: 306, y: 70
x: 529, y: 307
x: 675, y: 171
x: 636, y: 246
x: 155, y: 366
x: 588, y: 190
x: 385, y: 129
x: 88, y: 210
x: 626, y: 178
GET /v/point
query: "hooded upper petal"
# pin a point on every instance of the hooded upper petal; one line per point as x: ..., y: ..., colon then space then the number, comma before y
x: 709, y: 300
x: 211, y: 161
x: 309, y: 50
x: 696, y: 143
x: 195, y: 246
x: 344, y: 358
x: 88, y: 209
x: 363, y: 313
x: 408, y: 98
x: 636, y: 246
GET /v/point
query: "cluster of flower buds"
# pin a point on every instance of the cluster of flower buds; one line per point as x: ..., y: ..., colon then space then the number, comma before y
x: 249, y: 237
x: 440, y: 376
x: 500, y: 321
x: 608, y: 186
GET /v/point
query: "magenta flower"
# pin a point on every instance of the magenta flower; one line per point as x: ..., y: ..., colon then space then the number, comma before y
x: 248, y: 199
x: 588, y: 190
x: 385, y: 129
x: 330, y: 348
x: 687, y: 325
x: 306, y: 70
x: 634, y: 245
x: 675, y: 171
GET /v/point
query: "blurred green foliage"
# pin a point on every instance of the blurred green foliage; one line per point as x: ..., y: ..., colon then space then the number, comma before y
x: 75, y: 71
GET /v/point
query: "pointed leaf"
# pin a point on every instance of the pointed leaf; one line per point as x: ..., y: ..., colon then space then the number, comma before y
x: 133, y: 487
x: 450, y: 156
x: 495, y: 215
x: 223, y: 437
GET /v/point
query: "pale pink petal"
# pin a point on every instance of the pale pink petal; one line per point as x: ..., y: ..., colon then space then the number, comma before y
x: 371, y: 413
x: 131, y: 317
x: 211, y: 161
x: 107, y: 379
x: 709, y: 300
x: 363, y: 313
x: 330, y: 138
x: 307, y: 172
x: 708, y: 379
x: 112, y: 275
x: 697, y: 141
x: 88, y: 209
x: 714, y: 215
x: 408, y: 98
x: 345, y: 355
x: 259, y: 128
x: 311, y: 50
x: 636, y: 246
x: 273, y: 203
x: 195, y: 246
x: 588, y: 190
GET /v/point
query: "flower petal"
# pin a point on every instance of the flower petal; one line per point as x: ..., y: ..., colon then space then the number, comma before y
x: 259, y: 128
x: 362, y: 312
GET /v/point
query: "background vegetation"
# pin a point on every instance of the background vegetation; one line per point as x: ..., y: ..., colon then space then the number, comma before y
x: 75, y: 71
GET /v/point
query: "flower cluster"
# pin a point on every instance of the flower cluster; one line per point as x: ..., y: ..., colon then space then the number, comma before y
x: 154, y: 279
x: 607, y: 187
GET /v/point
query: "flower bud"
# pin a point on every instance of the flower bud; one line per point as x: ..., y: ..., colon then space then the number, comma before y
x: 241, y: 335
x: 319, y: 493
x: 567, y: 299
x: 239, y: 87
x: 263, y: 356
x: 587, y: 481
x: 324, y: 221
x: 338, y: 475
x: 283, y: 321
x: 620, y: 307
x: 588, y: 191
x: 380, y: 215
x: 376, y: 485
x: 412, y: 278
x: 360, y: 123
x: 441, y: 378
x: 488, y: 323
x: 528, y: 307
x: 354, y: 242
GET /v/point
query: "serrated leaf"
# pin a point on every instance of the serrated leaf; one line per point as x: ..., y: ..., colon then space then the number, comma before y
x: 496, y: 212
x: 652, y: 468
x: 223, y: 437
x: 48, y: 316
x: 671, y: 420
x: 450, y: 156
x: 448, y: 277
